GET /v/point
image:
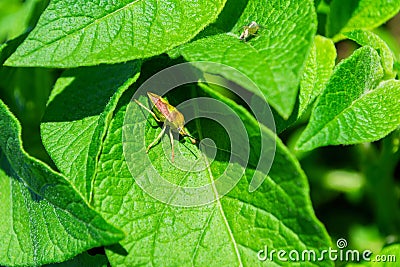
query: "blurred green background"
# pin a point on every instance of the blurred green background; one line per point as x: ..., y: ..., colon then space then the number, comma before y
x: 354, y: 189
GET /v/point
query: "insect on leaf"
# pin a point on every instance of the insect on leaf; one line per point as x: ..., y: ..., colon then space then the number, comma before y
x: 170, y: 116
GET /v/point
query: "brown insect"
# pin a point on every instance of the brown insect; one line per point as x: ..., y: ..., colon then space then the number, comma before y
x: 170, y: 116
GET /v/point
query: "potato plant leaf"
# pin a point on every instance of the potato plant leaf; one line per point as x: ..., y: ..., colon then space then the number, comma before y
x: 82, y: 33
x: 354, y: 106
x: 228, y: 232
x: 73, y: 136
x: 371, y: 39
x: 348, y: 15
x: 317, y: 71
x: 273, y: 59
x: 44, y: 218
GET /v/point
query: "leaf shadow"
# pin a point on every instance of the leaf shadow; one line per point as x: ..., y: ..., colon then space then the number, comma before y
x: 85, y: 92
x: 118, y: 249
x: 230, y: 14
x: 344, y: 11
x: 226, y: 20
x: 9, y: 171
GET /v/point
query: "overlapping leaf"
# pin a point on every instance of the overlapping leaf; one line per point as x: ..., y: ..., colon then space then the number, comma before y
x: 44, y: 219
x: 348, y: 15
x: 354, y: 108
x: 82, y: 33
x: 273, y: 59
x: 317, y: 71
x: 373, y: 40
x: 78, y: 114
x: 228, y: 232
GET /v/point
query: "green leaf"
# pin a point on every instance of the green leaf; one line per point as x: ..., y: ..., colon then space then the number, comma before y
x: 228, y: 232
x: 81, y: 33
x: 9, y: 47
x: 348, y: 15
x: 353, y: 109
x: 77, y: 116
x: 368, y: 38
x: 317, y: 71
x: 273, y: 59
x: 44, y: 219
x: 388, y: 257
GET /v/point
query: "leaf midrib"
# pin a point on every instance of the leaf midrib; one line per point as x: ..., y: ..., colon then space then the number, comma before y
x: 219, y: 204
x: 75, y: 32
x: 335, y: 118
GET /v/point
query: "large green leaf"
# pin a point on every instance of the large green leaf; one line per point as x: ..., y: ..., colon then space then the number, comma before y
x: 81, y: 33
x: 317, y: 71
x: 354, y: 108
x: 348, y: 15
x: 227, y: 232
x: 77, y: 116
x: 274, y: 59
x: 373, y: 40
x: 44, y: 218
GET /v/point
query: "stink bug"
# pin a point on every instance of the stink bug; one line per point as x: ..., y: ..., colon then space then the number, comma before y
x: 249, y: 30
x: 170, y: 116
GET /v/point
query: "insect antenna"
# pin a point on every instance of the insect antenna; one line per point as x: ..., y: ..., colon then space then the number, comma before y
x: 192, y: 139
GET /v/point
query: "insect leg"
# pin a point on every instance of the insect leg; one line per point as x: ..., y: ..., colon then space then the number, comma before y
x: 151, y: 112
x: 172, y: 144
x: 158, y: 138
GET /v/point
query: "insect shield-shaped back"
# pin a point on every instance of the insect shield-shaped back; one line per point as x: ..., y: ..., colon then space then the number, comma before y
x: 164, y: 112
x: 168, y: 113
x: 160, y: 103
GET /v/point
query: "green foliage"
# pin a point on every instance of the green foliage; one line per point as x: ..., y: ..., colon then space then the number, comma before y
x: 16, y: 16
x: 317, y: 71
x: 373, y: 40
x: 167, y: 235
x: 96, y: 91
x: 81, y: 33
x: 354, y: 110
x: 347, y: 15
x: 81, y: 182
x: 265, y: 58
x: 41, y: 209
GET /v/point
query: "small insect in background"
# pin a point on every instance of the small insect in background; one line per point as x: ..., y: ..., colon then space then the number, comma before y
x: 249, y: 30
x: 170, y: 116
